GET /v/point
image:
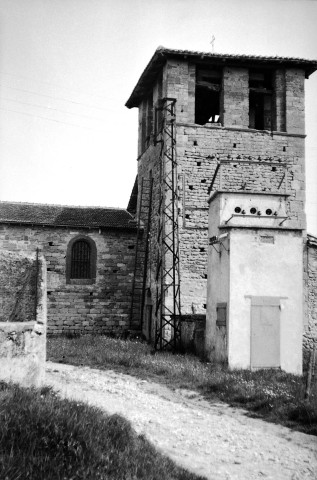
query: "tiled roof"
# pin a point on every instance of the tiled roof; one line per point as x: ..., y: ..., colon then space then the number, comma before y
x: 62, y: 215
x: 161, y: 54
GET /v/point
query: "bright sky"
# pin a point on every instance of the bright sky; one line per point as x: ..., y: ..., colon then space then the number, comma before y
x: 67, y: 68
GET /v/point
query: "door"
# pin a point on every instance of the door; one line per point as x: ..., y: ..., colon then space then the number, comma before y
x: 265, y: 334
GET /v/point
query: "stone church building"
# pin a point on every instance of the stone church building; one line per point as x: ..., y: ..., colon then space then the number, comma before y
x: 210, y: 126
x: 89, y: 253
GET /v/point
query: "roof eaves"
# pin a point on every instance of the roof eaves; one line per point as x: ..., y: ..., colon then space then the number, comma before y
x: 156, y: 62
x: 161, y: 54
x: 129, y: 226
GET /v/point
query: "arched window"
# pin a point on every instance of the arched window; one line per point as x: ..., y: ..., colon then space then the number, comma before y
x: 80, y: 260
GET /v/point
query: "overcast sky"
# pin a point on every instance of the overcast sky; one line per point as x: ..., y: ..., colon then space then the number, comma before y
x: 67, y: 68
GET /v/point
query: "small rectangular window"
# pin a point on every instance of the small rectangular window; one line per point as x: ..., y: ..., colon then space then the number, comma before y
x: 221, y: 315
x: 147, y: 122
x: 207, y: 95
x: 80, y: 260
x: 266, y: 239
x: 158, y: 121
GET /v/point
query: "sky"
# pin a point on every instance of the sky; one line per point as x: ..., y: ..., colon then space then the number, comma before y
x: 67, y: 67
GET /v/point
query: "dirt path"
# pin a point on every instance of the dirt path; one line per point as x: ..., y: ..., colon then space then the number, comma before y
x: 213, y: 440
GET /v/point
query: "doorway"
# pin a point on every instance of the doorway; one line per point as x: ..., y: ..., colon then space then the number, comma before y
x: 265, y: 332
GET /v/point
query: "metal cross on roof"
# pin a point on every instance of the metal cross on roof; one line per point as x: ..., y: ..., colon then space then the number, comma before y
x: 213, y: 38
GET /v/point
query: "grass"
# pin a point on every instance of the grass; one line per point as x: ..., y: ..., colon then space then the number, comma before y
x: 271, y: 394
x: 45, y: 437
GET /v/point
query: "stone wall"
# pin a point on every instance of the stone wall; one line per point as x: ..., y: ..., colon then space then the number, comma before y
x: 101, y: 306
x: 198, y: 150
x: 310, y: 269
x: 23, y: 336
x: 17, y: 288
x: 236, y: 97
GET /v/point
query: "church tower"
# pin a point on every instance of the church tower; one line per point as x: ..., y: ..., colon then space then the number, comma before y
x: 223, y: 129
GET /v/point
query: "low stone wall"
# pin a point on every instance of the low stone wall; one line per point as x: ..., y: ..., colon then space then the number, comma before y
x: 23, y: 319
x: 17, y: 288
x: 310, y: 271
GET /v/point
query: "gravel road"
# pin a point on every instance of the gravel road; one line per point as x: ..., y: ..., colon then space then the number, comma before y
x: 210, y: 439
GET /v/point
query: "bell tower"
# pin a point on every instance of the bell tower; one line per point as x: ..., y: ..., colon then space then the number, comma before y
x: 228, y: 129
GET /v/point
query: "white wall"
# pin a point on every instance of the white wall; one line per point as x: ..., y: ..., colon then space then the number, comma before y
x: 266, y: 269
x: 261, y: 262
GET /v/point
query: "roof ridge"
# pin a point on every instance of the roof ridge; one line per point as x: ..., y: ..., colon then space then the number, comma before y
x: 237, y: 55
x: 61, y: 205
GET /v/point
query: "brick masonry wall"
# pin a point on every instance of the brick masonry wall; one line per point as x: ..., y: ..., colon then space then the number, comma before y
x: 100, y: 307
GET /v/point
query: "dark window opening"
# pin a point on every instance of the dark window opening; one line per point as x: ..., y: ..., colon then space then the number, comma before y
x: 198, y: 164
x: 158, y: 120
x: 158, y: 110
x: 81, y: 257
x: 149, y: 119
x: 260, y: 100
x: 80, y: 260
x: 147, y: 122
x: 207, y: 96
x: 221, y: 315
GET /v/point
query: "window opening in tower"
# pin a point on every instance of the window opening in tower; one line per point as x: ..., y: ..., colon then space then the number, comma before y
x: 207, y: 96
x: 260, y: 99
